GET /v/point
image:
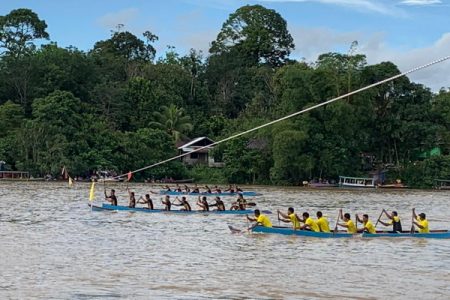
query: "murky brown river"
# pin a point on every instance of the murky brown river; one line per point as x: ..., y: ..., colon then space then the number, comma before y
x: 53, y: 247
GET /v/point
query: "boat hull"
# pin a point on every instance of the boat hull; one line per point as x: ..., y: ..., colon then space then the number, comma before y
x: 437, y: 234
x: 174, y: 193
x: 291, y: 231
x: 109, y: 207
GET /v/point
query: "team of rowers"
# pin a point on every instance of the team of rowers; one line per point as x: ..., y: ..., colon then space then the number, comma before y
x: 321, y: 224
x: 240, y: 203
x: 207, y: 190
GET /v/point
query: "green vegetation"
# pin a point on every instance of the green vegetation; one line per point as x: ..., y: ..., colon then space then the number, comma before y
x: 120, y: 107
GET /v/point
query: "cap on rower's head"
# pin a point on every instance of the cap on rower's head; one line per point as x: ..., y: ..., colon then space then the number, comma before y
x: 147, y: 195
x: 319, y: 214
x: 423, y: 216
x: 291, y: 210
x: 395, y: 213
x: 113, y: 190
x: 257, y: 212
x: 347, y: 216
x: 306, y: 215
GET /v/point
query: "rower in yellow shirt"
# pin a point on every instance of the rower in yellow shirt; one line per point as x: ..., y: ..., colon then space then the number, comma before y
x: 368, y: 225
x: 421, y: 222
x: 290, y: 217
x: 260, y: 219
x: 348, y: 223
x: 322, y: 222
x: 310, y: 224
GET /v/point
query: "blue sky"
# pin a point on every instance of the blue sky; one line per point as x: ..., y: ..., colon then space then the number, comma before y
x: 406, y: 32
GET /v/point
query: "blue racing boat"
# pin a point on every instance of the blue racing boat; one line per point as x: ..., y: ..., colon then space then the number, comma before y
x: 433, y: 234
x: 291, y: 231
x: 109, y: 207
x: 223, y: 194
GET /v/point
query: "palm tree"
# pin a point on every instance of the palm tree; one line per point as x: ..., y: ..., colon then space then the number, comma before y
x: 173, y: 120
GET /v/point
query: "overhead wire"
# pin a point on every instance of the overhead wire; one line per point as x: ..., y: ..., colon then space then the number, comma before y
x: 289, y: 116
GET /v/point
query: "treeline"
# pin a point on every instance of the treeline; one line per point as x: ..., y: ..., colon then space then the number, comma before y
x: 119, y: 107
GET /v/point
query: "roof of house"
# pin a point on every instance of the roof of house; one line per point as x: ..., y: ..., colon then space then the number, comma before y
x: 188, y: 146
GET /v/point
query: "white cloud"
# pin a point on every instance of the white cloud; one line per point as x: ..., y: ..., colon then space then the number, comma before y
x: 310, y: 42
x: 124, y: 17
x: 421, y: 2
x: 362, y: 5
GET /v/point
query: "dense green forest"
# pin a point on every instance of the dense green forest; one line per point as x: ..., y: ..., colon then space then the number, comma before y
x: 121, y: 106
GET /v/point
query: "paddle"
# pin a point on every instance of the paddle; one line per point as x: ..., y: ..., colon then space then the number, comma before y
x: 378, y: 220
x: 412, y: 221
x: 337, y: 220
x: 356, y: 223
x: 278, y: 215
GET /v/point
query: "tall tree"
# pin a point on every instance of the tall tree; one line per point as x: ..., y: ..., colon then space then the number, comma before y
x: 19, y: 29
x: 258, y: 34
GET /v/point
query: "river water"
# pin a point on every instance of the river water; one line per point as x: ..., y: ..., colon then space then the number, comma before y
x: 53, y: 247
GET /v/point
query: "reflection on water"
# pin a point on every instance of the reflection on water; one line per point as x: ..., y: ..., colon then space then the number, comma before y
x: 53, y: 246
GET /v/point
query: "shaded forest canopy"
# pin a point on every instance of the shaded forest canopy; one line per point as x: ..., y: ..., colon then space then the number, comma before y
x: 117, y: 107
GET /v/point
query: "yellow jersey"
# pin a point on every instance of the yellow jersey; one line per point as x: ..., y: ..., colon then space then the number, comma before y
x: 264, y: 220
x: 294, y: 220
x: 424, y: 224
x: 394, y: 219
x: 312, y: 225
x: 322, y: 222
x: 351, y: 228
x: 369, y: 227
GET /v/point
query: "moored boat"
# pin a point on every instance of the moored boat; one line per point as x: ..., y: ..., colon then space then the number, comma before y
x: 434, y: 234
x: 223, y: 194
x: 442, y: 184
x: 356, y: 182
x: 393, y: 186
x: 109, y: 207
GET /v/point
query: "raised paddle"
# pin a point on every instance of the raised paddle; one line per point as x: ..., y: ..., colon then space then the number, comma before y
x: 378, y: 220
x: 412, y: 221
x: 337, y: 220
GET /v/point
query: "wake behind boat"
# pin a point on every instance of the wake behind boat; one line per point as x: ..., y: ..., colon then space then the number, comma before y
x: 109, y: 207
x: 436, y: 234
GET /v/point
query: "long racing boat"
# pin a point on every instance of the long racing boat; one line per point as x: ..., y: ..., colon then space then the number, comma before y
x: 436, y: 234
x: 109, y: 207
x: 223, y: 194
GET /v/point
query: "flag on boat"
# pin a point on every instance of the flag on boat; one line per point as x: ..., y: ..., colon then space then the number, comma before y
x: 64, y: 173
x: 130, y: 174
x: 70, y: 181
x: 92, y: 192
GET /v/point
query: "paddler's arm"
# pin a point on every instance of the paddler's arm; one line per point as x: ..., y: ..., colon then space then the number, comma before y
x: 387, y: 214
x: 385, y: 224
x: 418, y: 225
x: 283, y: 215
x: 250, y: 219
